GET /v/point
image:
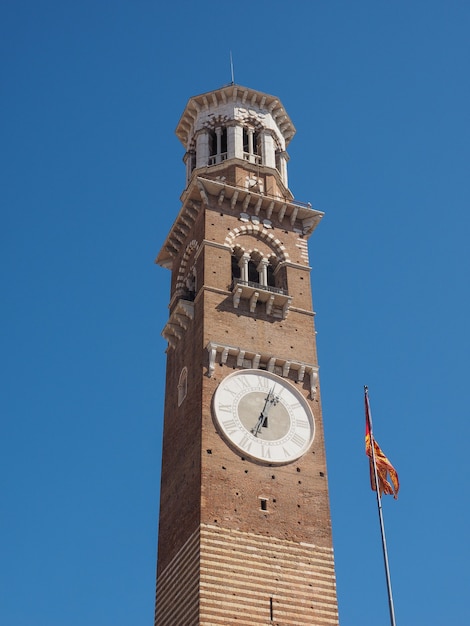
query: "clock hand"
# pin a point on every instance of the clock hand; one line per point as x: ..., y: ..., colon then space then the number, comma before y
x: 271, y: 400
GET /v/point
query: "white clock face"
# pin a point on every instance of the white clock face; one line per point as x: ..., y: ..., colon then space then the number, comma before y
x: 264, y: 416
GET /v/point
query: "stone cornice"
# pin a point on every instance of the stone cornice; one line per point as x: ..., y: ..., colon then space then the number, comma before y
x: 178, y: 232
x: 202, y: 190
x: 237, y: 94
x: 219, y: 352
x: 178, y: 323
x: 254, y: 202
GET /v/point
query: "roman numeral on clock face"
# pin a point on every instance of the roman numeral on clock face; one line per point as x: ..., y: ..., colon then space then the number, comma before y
x: 245, y: 443
x: 263, y: 382
x: 230, y: 426
x: 265, y: 452
x: 298, y: 440
x: 243, y: 382
x: 225, y: 407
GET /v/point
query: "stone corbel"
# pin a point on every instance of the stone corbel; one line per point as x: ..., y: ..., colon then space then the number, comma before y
x: 269, y: 304
x: 212, y: 354
x: 285, y: 308
x: 253, y: 301
x: 234, y: 199
x: 240, y: 358
x: 203, y: 193
x: 236, y: 297
x: 313, y: 382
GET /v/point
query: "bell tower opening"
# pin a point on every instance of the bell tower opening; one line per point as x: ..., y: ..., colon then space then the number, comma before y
x: 251, y: 145
x: 217, y: 145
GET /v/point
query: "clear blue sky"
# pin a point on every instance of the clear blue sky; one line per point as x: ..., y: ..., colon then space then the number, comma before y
x: 91, y: 176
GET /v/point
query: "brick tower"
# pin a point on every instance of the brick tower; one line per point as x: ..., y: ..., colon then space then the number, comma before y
x: 245, y: 529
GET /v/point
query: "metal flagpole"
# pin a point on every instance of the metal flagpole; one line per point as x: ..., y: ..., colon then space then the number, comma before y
x: 379, y: 507
x: 231, y: 69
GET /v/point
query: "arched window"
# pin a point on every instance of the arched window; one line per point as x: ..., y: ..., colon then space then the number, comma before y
x: 245, y: 141
x: 182, y: 385
x: 217, y: 145
x: 257, y: 143
x: 271, y: 277
x: 223, y: 144
x: 253, y: 275
x: 212, y: 143
x: 280, y: 278
x: 251, y: 145
x: 236, y: 271
x: 192, y: 161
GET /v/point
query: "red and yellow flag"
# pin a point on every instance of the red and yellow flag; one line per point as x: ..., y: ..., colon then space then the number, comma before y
x: 383, y: 465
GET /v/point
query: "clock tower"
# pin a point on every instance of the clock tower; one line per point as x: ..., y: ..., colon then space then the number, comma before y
x: 245, y: 528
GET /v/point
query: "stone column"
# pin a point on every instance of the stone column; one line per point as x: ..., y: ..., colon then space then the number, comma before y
x: 263, y: 272
x: 250, y: 143
x: 218, y: 133
x: 243, y: 264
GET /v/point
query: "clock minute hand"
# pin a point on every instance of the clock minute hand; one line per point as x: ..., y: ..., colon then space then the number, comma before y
x: 271, y: 400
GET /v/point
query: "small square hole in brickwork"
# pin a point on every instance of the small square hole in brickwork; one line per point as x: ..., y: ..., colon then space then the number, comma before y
x: 263, y: 504
x: 322, y: 474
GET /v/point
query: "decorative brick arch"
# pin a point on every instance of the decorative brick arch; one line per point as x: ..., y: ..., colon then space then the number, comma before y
x: 183, y: 268
x: 261, y: 233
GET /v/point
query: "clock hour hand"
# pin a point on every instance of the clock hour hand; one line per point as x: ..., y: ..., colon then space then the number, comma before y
x: 271, y: 400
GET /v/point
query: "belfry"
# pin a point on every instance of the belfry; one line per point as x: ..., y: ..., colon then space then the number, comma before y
x: 245, y: 528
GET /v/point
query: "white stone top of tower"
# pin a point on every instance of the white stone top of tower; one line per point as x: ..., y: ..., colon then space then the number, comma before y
x: 235, y: 104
